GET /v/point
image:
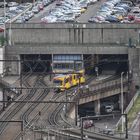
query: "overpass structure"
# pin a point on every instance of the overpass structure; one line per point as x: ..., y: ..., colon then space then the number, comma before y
x: 103, y: 90
x: 74, y: 38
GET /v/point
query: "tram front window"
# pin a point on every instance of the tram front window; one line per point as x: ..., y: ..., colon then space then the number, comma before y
x: 57, y: 82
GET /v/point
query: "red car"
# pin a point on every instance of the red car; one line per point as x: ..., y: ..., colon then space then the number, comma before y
x: 87, y: 124
x: 131, y: 16
x: 40, y: 5
x: 1, y: 29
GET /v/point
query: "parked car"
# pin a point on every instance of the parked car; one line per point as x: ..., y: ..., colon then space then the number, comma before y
x: 109, y: 108
x: 10, y: 15
x: 40, y: 5
x: 45, y: 2
x: 49, y: 19
x: 67, y: 18
x: 11, y: 4
x: 20, y: 19
x: 87, y: 124
x: 30, y: 14
x: 35, y: 9
x: 25, y: 5
x: 2, y: 4
x: 137, y: 19
x: 1, y: 21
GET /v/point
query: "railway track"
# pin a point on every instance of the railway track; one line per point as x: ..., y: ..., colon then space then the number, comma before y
x: 14, y: 109
x: 55, y: 116
x: 54, y: 119
x: 40, y: 95
x: 32, y: 109
x: 28, y: 123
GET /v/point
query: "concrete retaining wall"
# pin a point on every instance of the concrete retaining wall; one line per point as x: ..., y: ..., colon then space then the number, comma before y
x: 75, y: 33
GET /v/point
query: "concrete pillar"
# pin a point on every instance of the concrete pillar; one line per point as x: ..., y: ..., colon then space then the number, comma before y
x: 93, y: 60
x: 1, y: 58
x: 97, y: 107
x: 134, y: 64
x: 124, y: 100
x: 19, y: 65
x: 96, y: 58
x: 14, y: 68
x: 72, y: 113
x: 1, y: 97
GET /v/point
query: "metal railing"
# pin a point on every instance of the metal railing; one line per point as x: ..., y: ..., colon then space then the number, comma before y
x: 103, y: 87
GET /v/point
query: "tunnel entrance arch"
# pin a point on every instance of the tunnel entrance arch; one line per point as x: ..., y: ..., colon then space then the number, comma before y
x: 36, y: 63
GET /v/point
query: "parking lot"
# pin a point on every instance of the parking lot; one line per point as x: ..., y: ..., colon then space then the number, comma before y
x: 91, y: 10
x: 50, y: 11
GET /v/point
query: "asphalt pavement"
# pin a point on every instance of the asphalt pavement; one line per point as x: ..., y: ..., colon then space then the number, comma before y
x: 91, y: 10
x: 107, y: 122
x: 41, y: 14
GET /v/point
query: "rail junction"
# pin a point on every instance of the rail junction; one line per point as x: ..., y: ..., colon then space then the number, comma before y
x: 38, y: 51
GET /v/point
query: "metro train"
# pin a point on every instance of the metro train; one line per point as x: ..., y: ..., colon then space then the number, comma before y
x: 63, y: 82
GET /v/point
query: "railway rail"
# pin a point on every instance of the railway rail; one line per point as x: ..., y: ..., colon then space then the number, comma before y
x: 55, y: 119
x: 14, y: 109
x: 40, y: 95
x: 97, y: 136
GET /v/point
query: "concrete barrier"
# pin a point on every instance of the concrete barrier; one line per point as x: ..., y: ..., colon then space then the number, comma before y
x: 128, y: 107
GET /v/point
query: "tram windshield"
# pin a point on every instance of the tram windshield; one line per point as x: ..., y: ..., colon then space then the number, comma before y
x: 57, y: 82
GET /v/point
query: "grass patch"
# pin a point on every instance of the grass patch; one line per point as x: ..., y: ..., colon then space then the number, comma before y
x: 2, y: 41
x: 133, y: 111
x: 119, y: 128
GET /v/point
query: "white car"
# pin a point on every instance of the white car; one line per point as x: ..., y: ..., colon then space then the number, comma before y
x: 35, y: 9
x: 20, y: 19
x: 49, y: 19
x: 109, y: 108
x: 30, y: 14
x: 11, y: 4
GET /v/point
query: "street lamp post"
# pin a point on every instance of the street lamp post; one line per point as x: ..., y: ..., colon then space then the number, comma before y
x: 10, y: 34
x: 77, y: 103
x: 66, y: 104
x: 97, y: 71
x: 76, y: 113
x: 122, y: 73
x: 20, y: 76
x: 126, y: 126
x: 4, y: 18
x: 3, y: 98
x: 81, y: 128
